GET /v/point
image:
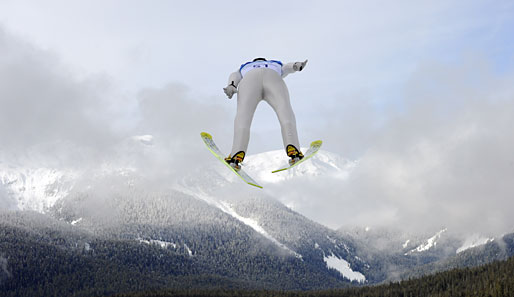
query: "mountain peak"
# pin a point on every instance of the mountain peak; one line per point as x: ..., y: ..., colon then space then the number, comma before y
x: 323, y: 163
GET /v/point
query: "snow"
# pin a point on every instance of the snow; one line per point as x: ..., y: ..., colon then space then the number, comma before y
x: 430, y: 243
x: 76, y: 221
x: 344, y: 268
x: 227, y: 207
x: 162, y: 244
x: 36, y: 189
x: 473, y: 241
x: 40, y: 188
x: 332, y: 240
x: 322, y: 164
x: 189, y: 251
x: 406, y: 243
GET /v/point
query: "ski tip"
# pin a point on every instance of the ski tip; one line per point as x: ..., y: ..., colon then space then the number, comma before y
x: 316, y: 143
x: 255, y: 185
x: 206, y: 135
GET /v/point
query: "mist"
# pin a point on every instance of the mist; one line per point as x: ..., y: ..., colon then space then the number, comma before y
x: 443, y: 159
x: 175, y: 120
x: 51, y: 117
x: 46, y: 112
x: 447, y: 161
x: 439, y: 155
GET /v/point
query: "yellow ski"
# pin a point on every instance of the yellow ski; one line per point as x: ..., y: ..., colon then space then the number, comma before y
x: 213, y: 148
x: 313, y: 149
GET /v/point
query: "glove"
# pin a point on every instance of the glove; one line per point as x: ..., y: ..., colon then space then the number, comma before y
x: 298, y: 66
x: 230, y: 90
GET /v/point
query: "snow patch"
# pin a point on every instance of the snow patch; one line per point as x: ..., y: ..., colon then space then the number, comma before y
x: 430, y: 243
x: 227, y: 207
x: 472, y: 242
x: 332, y: 240
x: 188, y: 250
x: 162, y: 244
x: 344, y: 268
x: 76, y: 221
x: 406, y: 243
x: 36, y: 189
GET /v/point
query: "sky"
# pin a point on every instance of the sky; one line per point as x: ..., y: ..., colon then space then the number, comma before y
x: 421, y: 94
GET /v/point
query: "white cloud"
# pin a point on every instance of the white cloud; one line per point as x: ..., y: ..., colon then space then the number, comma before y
x: 446, y: 160
x: 176, y: 119
x: 49, y: 115
x: 433, y: 138
x: 43, y: 104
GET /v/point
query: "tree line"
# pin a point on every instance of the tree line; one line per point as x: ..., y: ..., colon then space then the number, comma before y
x: 492, y: 280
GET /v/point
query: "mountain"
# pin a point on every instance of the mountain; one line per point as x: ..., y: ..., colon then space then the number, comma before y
x: 324, y: 164
x: 204, y: 228
x: 402, y: 255
x: 497, y: 249
x: 214, y: 231
x: 37, y: 189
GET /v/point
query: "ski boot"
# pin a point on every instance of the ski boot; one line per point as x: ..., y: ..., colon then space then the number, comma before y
x: 235, y: 161
x: 293, y: 153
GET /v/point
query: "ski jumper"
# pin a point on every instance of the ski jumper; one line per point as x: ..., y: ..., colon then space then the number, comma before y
x: 256, y: 81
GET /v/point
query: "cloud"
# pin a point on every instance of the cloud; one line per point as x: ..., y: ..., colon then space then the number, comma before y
x: 439, y: 155
x: 174, y: 119
x: 49, y: 114
x: 445, y: 160
x: 173, y: 113
x: 44, y: 104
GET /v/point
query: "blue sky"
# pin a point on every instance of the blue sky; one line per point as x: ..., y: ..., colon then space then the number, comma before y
x: 400, y: 83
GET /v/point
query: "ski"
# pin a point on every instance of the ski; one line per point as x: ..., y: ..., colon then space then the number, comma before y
x: 213, y: 148
x: 313, y: 149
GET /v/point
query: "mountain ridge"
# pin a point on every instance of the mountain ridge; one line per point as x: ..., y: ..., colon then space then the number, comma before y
x: 211, y: 218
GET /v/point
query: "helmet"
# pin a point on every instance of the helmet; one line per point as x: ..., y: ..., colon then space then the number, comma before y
x: 259, y: 59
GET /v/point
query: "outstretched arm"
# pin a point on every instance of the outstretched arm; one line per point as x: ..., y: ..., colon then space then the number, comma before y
x: 293, y: 67
x: 233, y: 82
x: 234, y: 78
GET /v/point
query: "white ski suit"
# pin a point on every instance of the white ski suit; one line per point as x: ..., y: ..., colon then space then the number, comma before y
x: 262, y: 80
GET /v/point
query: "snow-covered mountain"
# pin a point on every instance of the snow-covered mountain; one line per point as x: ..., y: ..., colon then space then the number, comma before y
x: 474, y: 241
x: 36, y: 189
x: 427, y: 244
x: 322, y: 164
x: 202, y: 211
x: 29, y: 187
x: 122, y: 203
